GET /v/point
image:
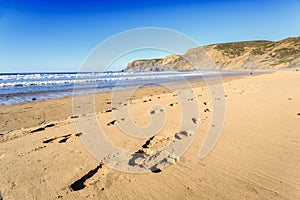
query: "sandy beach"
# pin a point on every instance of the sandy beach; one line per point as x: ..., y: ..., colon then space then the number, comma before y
x: 256, y: 157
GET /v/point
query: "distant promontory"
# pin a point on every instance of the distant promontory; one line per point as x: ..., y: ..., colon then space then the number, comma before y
x: 259, y: 54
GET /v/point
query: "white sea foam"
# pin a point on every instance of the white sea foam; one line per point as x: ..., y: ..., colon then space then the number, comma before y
x: 20, y: 80
x: 18, y: 88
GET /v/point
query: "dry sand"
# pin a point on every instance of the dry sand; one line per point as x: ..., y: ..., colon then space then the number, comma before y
x: 256, y: 157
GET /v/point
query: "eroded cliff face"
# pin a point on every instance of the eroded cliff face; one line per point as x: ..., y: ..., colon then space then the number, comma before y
x: 229, y: 56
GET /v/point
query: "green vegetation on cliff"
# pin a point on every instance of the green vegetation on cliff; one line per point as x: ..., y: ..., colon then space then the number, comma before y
x: 259, y: 54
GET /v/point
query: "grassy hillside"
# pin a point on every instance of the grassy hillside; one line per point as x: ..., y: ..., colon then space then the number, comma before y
x: 259, y: 54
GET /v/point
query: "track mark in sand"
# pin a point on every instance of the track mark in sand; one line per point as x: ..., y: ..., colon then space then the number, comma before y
x: 140, y: 155
x: 42, y: 128
x: 38, y: 130
x: 33, y: 150
x: 137, y: 158
x: 38, y: 148
x: 196, y: 120
x: 145, y: 157
x: 147, y: 100
x: 152, y: 112
x: 172, y: 104
x: 147, y: 143
x: 49, y: 125
x: 74, y: 117
x: 62, y: 139
x: 182, y: 134
x: 80, y: 183
x: 114, y: 122
x: 208, y: 110
x: 152, y: 142
x: 155, y: 169
x: 109, y: 110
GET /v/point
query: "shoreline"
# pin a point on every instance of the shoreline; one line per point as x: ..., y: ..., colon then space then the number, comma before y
x: 54, y: 91
x: 66, y: 103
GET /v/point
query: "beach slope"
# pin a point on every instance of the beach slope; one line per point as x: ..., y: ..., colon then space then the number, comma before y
x: 256, y: 156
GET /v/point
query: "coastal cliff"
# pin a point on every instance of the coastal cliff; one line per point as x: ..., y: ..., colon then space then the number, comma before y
x: 228, y: 56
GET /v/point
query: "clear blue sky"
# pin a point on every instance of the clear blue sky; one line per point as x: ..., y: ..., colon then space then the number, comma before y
x: 53, y: 35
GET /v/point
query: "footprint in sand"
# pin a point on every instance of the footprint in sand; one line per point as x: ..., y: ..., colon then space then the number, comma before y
x: 206, y: 103
x: 170, y: 159
x: 114, y: 122
x: 147, y: 100
x: 183, y: 134
x: 196, y: 120
x: 152, y: 112
x: 108, y: 110
x: 74, y: 117
x: 155, y: 169
x: 173, y: 104
x: 80, y: 183
x: 145, y: 156
x: 208, y: 110
x: 62, y: 139
x: 42, y: 128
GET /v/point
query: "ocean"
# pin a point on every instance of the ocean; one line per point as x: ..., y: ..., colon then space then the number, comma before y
x: 17, y: 88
